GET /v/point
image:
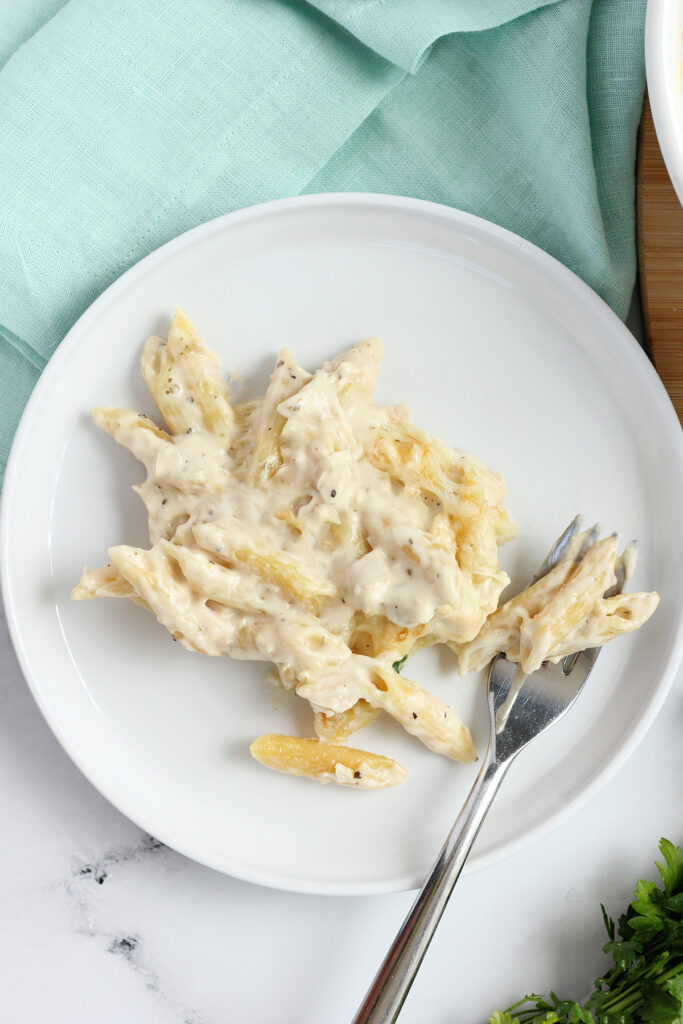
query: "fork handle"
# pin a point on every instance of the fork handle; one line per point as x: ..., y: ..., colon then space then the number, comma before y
x: 386, y: 995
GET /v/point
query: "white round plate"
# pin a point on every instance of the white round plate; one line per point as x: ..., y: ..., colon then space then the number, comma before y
x: 664, y: 69
x: 498, y: 349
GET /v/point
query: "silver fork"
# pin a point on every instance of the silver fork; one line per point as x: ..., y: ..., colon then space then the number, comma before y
x: 520, y: 708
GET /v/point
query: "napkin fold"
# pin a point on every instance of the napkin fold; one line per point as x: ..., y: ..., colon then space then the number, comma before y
x: 122, y: 125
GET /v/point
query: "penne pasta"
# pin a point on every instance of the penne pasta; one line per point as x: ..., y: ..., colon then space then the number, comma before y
x: 184, y: 378
x: 133, y: 431
x: 328, y: 535
x: 563, y: 612
x: 336, y: 727
x: 106, y: 582
x: 327, y: 762
x: 286, y: 379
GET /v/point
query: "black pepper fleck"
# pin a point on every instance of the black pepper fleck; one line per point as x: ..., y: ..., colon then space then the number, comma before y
x: 333, y: 494
x: 126, y: 946
x: 99, y: 874
x: 357, y: 775
x: 414, y: 715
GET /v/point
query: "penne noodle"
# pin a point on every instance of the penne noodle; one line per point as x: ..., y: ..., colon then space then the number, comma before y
x: 329, y: 536
x: 106, y: 582
x: 610, y: 617
x: 421, y: 714
x: 564, y: 611
x: 133, y: 431
x: 327, y: 762
x: 268, y: 564
x: 336, y: 727
x: 184, y: 378
x: 585, y: 585
x: 286, y: 379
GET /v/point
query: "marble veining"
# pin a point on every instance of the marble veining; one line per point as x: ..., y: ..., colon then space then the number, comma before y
x: 103, y: 924
x: 84, y: 888
x: 98, y: 871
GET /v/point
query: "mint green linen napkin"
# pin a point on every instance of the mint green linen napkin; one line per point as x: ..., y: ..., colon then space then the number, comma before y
x: 122, y: 125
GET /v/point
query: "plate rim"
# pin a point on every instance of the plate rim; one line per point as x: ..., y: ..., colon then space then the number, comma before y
x: 658, y: 74
x: 457, y: 220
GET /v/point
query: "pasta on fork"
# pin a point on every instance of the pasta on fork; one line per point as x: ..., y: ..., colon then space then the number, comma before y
x: 317, y: 530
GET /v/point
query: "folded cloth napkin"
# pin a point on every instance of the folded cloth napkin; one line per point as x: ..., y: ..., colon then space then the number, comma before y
x: 124, y: 124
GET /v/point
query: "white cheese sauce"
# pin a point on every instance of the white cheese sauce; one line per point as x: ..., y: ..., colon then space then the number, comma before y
x: 352, y: 539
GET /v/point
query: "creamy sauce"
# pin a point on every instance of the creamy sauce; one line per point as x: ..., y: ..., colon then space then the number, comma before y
x: 367, y: 778
x: 322, y: 532
x: 277, y: 538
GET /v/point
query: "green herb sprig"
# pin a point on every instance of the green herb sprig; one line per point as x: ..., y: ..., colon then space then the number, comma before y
x: 646, y: 983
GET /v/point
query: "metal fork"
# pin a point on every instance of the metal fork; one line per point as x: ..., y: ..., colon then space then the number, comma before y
x: 520, y: 708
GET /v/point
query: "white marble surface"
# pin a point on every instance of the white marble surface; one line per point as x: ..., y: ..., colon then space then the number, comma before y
x: 100, y: 923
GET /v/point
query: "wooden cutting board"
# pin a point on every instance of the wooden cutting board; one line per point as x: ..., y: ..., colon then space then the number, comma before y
x: 660, y: 259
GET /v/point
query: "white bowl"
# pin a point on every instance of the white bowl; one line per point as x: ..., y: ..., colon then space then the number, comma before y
x: 498, y: 348
x: 664, y: 69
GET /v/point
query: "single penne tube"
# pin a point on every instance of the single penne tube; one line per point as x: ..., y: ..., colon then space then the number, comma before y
x: 376, y: 636
x: 156, y: 450
x: 354, y: 373
x: 420, y: 713
x: 106, y: 581
x: 338, y: 726
x: 267, y: 563
x: 283, y: 571
x: 246, y: 414
x: 216, y: 583
x: 184, y: 377
x: 286, y: 379
x: 327, y: 762
x: 610, y: 617
x: 265, y: 455
x: 134, y: 431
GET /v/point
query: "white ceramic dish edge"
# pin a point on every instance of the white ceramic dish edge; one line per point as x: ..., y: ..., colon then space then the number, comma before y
x: 571, y: 284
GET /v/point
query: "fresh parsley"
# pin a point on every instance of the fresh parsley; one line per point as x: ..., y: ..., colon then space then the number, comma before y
x: 645, y: 986
x: 398, y: 665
